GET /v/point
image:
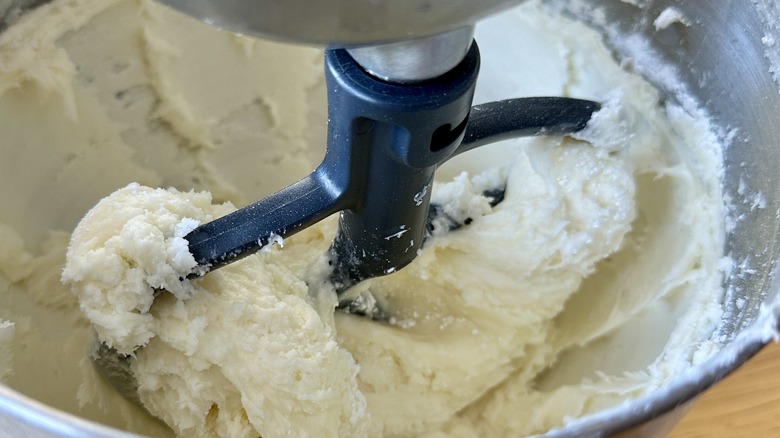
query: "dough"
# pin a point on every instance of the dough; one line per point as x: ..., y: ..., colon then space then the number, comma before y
x: 595, y: 281
x: 238, y: 353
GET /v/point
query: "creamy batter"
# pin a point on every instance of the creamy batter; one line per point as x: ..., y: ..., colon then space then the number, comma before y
x: 596, y: 280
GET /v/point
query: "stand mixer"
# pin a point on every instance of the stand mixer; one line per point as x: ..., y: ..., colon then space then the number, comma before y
x: 396, y: 111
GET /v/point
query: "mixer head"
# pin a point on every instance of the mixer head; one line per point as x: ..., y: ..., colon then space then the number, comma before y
x: 340, y: 23
x: 397, y: 40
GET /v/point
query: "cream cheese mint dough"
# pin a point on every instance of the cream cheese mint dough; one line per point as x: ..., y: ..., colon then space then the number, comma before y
x: 596, y: 280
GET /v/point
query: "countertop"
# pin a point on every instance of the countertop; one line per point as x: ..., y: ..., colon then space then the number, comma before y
x: 744, y: 404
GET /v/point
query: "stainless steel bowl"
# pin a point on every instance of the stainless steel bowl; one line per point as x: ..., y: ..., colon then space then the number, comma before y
x: 725, y: 54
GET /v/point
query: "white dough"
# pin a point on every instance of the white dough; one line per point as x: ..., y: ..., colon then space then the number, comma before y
x: 595, y: 281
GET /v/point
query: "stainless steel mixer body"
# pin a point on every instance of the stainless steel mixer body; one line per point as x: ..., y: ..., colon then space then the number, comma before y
x: 341, y: 23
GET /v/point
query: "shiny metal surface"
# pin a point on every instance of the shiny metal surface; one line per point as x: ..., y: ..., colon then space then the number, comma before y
x: 721, y: 58
x: 21, y: 416
x: 416, y: 60
x: 340, y: 22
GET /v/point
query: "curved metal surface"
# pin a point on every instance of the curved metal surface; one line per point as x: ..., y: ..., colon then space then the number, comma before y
x: 21, y: 416
x: 340, y: 22
x: 417, y: 60
x: 719, y: 55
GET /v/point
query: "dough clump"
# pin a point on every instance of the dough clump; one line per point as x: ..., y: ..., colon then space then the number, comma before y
x: 239, y: 353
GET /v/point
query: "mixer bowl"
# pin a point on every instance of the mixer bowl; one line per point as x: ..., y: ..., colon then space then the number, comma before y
x: 725, y: 53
